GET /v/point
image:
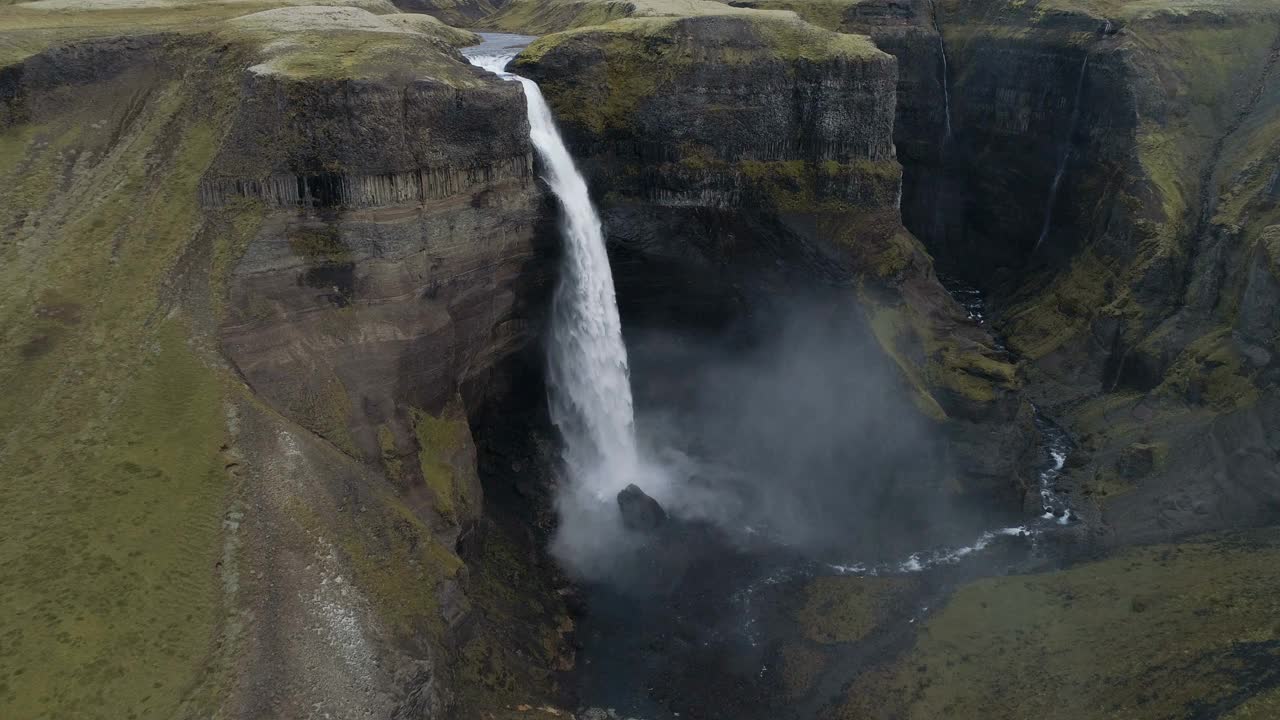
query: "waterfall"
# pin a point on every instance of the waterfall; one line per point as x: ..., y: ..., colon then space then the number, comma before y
x: 1065, y: 156
x: 946, y: 83
x: 589, y: 388
x: 946, y: 80
x: 938, y: 228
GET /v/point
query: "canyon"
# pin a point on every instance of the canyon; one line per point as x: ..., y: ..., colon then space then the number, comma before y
x: 955, y: 322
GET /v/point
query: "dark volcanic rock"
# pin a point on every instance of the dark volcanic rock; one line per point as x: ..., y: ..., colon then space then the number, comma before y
x: 639, y: 511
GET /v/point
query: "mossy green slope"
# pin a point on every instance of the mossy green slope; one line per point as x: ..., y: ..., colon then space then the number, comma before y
x: 113, y: 418
x: 1162, y: 631
x: 124, y: 428
x: 30, y: 27
x: 343, y: 42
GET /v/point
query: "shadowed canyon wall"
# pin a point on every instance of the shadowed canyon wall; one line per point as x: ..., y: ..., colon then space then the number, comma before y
x: 339, y: 270
x: 1108, y: 177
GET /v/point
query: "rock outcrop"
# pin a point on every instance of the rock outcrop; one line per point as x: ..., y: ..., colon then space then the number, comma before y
x: 639, y: 511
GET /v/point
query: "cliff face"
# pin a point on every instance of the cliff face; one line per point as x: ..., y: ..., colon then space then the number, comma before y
x: 397, y: 259
x: 1106, y: 178
x: 1149, y: 235
x: 749, y: 157
x: 922, y: 131
x: 395, y: 271
x: 262, y: 276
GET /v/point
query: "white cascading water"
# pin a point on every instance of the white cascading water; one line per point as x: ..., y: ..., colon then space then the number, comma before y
x: 946, y: 87
x: 589, y: 384
x: 1062, y: 162
x: 946, y: 82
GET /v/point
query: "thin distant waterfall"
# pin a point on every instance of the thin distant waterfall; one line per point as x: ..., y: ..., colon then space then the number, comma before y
x: 946, y: 80
x: 946, y: 85
x: 589, y: 388
x: 1066, y: 155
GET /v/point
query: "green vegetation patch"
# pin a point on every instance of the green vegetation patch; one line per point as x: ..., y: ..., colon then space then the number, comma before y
x: 1211, y: 372
x: 30, y: 27
x: 801, y: 666
x: 446, y: 457
x: 400, y: 565
x: 109, y: 540
x: 113, y: 424
x: 320, y: 243
x: 795, y: 186
x: 847, y: 609
x: 298, y: 38
x: 342, y: 42
x: 519, y: 637
x: 230, y: 228
x: 942, y: 368
x: 1160, y: 631
x: 1063, y: 310
x: 897, y: 331
x: 829, y: 14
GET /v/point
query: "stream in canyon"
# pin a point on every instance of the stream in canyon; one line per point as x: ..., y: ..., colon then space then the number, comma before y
x: 768, y: 459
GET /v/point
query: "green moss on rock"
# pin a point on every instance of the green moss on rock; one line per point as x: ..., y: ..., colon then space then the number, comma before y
x: 344, y: 42
x: 802, y: 664
x: 519, y: 639
x: 446, y: 458
x: 893, y: 330
x: 548, y: 16
x: 114, y: 420
x: 391, y: 460
x: 1065, y: 308
x: 945, y: 371
x: 1211, y: 372
x: 400, y: 566
x: 320, y: 243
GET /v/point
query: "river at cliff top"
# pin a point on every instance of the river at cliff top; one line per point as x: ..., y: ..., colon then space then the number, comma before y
x: 493, y: 44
